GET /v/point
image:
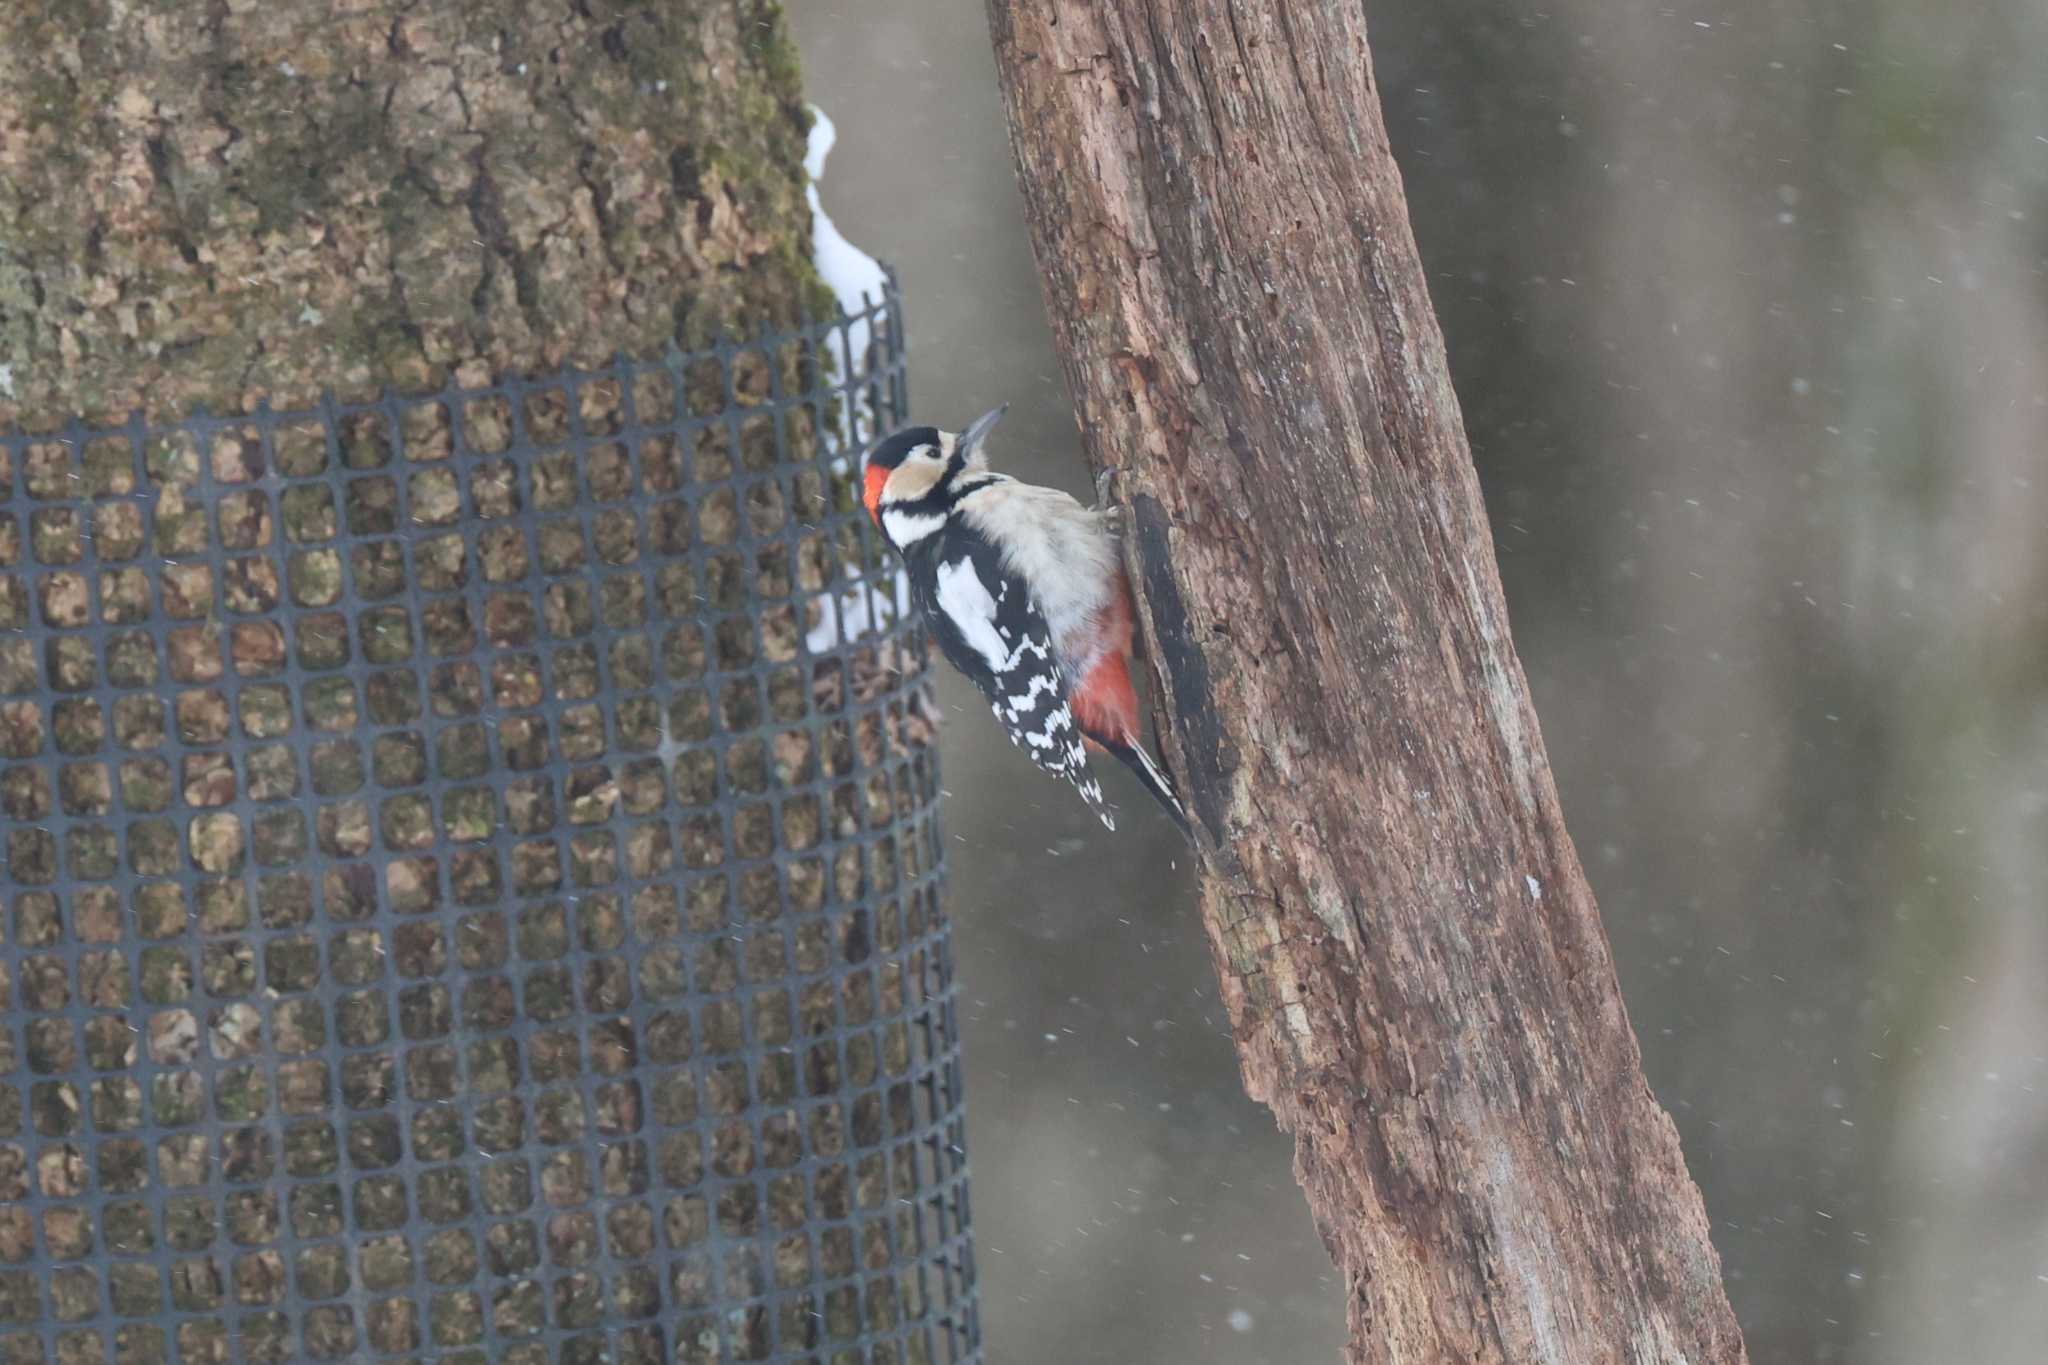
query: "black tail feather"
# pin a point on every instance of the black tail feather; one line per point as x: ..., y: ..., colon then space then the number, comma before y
x: 1153, y: 778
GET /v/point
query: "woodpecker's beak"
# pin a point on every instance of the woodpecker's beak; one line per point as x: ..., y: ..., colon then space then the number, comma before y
x: 978, y: 430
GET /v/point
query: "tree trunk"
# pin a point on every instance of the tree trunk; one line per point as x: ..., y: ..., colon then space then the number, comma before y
x: 1414, y: 966
x: 213, y: 203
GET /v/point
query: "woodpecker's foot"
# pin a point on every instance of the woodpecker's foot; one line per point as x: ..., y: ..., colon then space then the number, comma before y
x: 1105, y: 492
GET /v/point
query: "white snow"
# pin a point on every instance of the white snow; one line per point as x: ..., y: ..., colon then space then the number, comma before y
x: 856, y: 279
x: 1535, y: 887
x: 859, y: 610
x: 853, y: 276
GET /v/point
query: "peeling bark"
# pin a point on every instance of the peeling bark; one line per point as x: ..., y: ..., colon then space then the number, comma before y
x: 1415, y: 969
x: 212, y: 203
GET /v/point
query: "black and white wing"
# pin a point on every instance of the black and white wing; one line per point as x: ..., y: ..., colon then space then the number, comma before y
x: 991, y: 631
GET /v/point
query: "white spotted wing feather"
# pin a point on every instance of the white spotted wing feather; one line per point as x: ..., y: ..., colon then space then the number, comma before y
x: 993, y: 633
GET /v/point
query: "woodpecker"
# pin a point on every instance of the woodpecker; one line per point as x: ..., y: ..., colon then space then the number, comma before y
x: 1026, y: 594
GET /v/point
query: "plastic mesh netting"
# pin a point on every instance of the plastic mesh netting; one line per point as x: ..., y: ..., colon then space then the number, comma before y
x: 472, y: 882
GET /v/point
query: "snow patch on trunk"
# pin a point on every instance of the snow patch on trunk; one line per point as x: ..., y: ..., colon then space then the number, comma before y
x: 854, y: 277
x: 859, y: 610
x: 857, y: 280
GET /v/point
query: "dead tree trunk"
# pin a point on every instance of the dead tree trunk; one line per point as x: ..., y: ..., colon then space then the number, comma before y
x: 1415, y: 969
x: 214, y: 203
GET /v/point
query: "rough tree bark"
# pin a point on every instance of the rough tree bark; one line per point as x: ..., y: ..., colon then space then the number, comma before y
x: 1415, y: 969
x: 219, y: 202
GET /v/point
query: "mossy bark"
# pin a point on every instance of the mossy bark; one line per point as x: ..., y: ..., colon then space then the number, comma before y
x: 216, y: 203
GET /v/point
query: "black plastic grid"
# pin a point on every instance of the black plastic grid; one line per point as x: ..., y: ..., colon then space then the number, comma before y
x: 472, y: 872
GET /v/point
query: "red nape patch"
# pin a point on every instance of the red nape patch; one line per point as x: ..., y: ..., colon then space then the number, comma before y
x: 871, y: 494
x: 1105, y: 703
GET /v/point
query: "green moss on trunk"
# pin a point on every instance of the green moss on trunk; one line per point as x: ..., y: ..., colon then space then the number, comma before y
x: 219, y: 203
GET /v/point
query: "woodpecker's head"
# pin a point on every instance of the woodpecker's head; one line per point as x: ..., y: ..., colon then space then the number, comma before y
x: 905, y: 481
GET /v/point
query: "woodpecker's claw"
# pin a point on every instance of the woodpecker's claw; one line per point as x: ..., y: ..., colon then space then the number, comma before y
x: 1105, y: 490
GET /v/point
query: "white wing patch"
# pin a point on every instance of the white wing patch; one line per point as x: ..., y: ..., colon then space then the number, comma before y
x: 967, y: 604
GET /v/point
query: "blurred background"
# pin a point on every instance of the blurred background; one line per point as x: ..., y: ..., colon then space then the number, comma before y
x: 1747, y: 306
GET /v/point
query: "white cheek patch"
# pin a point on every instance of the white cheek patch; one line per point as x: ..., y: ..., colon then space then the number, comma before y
x: 905, y: 529
x: 913, y: 478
